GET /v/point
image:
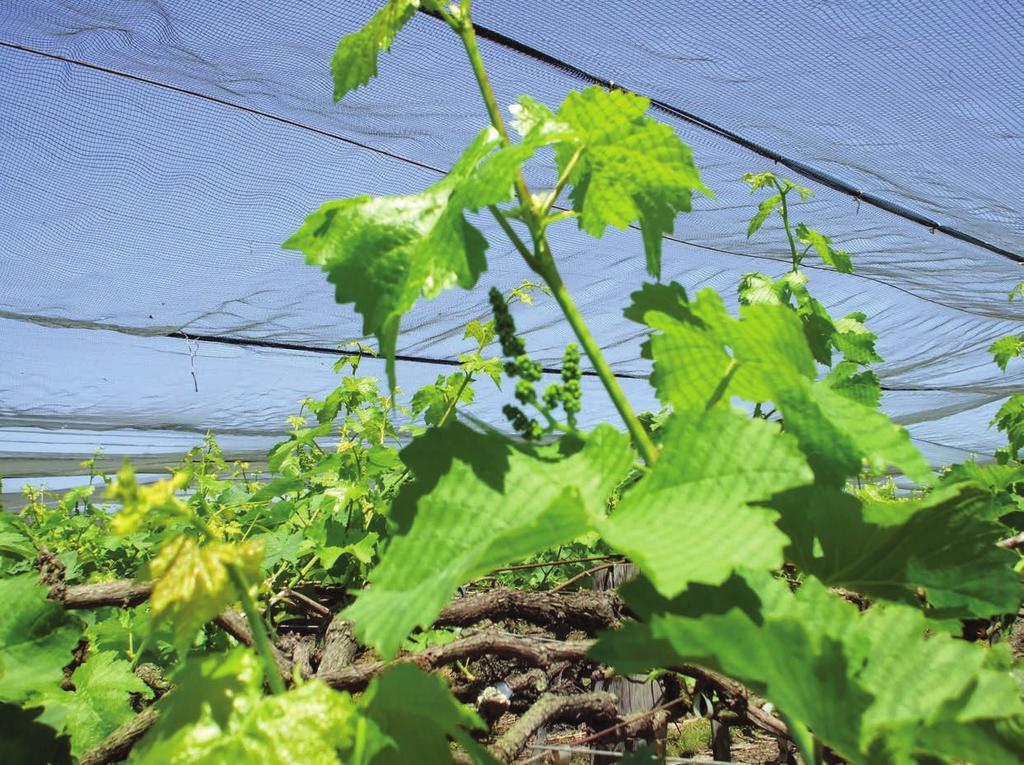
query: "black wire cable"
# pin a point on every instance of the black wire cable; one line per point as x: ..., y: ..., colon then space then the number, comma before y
x: 545, y: 58
x: 283, y: 346
x: 804, y: 169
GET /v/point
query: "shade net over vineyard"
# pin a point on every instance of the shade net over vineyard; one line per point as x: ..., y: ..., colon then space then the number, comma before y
x: 154, y: 155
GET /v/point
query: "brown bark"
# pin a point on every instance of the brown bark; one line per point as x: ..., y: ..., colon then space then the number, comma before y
x: 124, y: 593
x: 595, y: 708
x: 532, y: 651
x: 582, y: 610
x: 340, y: 646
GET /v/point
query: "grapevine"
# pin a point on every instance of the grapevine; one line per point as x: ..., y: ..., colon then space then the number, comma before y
x: 408, y: 584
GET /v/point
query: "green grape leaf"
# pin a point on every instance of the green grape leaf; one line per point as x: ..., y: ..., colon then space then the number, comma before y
x: 100, y: 702
x: 838, y: 259
x: 627, y: 168
x: 756, y: 288
x: 1010, y: 421
x: 691, y: 356
x: 993, y: 478
x: 479, y: 501
x: 28, y: 740
x: 191, y: 584
x: 668, y: 298
x: 482, y: 333
x: 311, y: 724
x: 1006, y: 348
x: 36, y: 638
x: 867, y: 684
x: 382, y: 253
x: 940, y: 548
x: 862, y: 386
x: 855, y: 341
x: 355, y: 61
x: 419, y: 713
x: 842, y: 436
x: 698, y: 497
x: 705, y: 358
x: 476, y: 365
x: 207, y: 686
x: 766, y: 208
x: 432, y: 401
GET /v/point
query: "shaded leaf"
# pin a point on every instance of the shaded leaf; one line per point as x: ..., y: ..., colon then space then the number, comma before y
x: 36, y: 638
x: 939, y: 548
x: 668, y: 298
x: 419, y: 714
x: 28, y: 740
x: 479, y: 501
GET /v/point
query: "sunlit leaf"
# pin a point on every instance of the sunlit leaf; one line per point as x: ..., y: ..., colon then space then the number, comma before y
x: 697, y: 500
x: 628, y: 168
x: 191, y: 584
x: 355, y: 61
x: 382, y: 253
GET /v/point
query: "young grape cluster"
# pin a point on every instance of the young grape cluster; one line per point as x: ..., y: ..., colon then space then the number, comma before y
x: 520, y: 365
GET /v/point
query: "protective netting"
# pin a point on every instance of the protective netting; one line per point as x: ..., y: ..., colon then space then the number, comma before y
x: 155, y: 155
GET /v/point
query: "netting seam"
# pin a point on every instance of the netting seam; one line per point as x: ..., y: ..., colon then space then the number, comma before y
x: 433, y: 168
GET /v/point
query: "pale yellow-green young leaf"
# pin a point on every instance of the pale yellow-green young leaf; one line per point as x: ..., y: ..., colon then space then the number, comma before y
x: 191, y: 584
x: 138, y: 501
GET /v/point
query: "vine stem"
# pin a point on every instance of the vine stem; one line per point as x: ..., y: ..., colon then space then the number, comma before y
x: 785, y: 222
x: 541, y: 261
x: 643, y: 441
x: 258, y: 628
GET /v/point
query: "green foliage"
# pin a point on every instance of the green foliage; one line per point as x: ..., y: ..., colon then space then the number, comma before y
x: 419, y: 714
x: 623, y: 166
x: 702, y: 357
x: 382, y: 253
x: 741, y: 518
x: 938, y: 550
x: 700, y: 496
x: 36, y: 639
x: 221, y: 716
x: 28, y: 740
x: 191, y: 584
x: 1010, y: 420
x: 100, y: 701
x: 478, y: 501
x: 1006, y: 348
x: 863, y: 682
x: 355, y: 61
